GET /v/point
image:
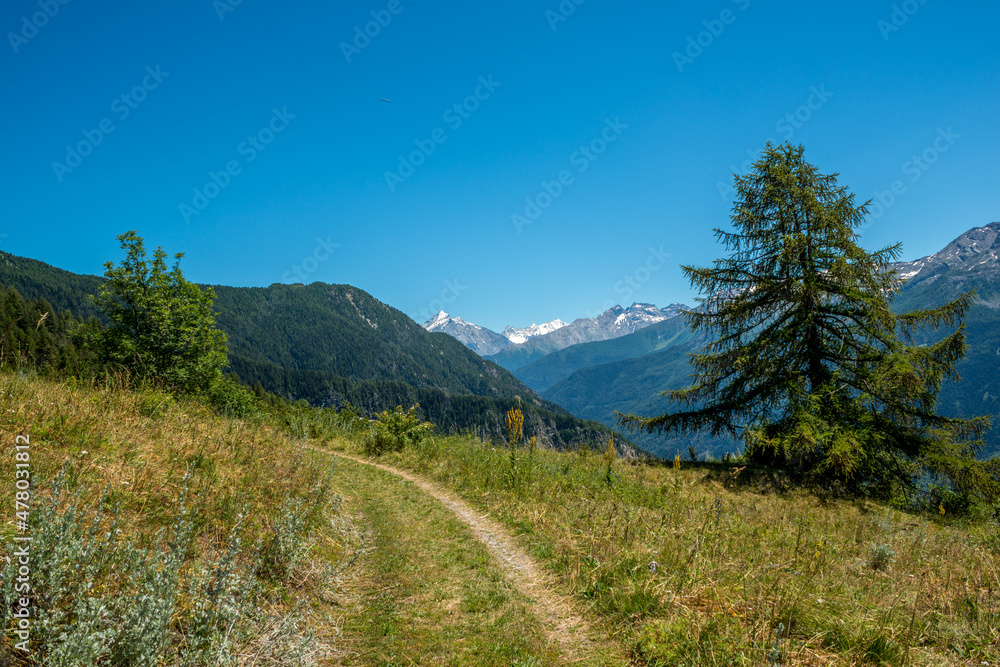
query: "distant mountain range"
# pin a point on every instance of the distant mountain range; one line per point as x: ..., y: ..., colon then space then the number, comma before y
x: 483, y: 341
x: 516, y: 348
x: 513, y: 348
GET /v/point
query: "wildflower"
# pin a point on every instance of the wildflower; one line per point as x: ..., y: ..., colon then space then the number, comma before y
x: 515, y: 425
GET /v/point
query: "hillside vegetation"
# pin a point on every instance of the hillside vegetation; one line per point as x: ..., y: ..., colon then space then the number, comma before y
x: 162, y: 533
x: 335, y: 344
x: 231, y: 543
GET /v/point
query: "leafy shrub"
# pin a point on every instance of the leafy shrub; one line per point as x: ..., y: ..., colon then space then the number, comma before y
x: 393, y: 431
x: 160, y: 325
x: 231, y: 399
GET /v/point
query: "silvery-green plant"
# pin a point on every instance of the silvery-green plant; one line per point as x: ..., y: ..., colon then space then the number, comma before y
x: 880, y: 557
x: 100, y: 599
x: 97, y: 599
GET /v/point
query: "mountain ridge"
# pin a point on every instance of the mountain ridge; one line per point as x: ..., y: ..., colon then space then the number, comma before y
x: 612, y: 323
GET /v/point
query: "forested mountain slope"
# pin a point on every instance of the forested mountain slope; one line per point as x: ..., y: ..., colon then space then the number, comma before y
x: 542, y: 374
x: 329, y: 344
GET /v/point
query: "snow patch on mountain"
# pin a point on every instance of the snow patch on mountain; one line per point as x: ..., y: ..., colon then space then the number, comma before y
x: 518, y: 336
x: 977, y: 247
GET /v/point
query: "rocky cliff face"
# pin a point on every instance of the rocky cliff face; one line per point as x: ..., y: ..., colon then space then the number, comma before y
x: 972, y: 261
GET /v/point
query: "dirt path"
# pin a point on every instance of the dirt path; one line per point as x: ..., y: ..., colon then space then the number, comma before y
x: 563, y: 627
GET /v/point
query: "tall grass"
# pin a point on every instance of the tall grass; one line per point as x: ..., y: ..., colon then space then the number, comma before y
x: 162, y: 533
x: 705, y: 565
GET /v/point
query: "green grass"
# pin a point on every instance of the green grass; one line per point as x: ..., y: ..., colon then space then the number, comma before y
x: 428, y: 592
x: 664, y: 556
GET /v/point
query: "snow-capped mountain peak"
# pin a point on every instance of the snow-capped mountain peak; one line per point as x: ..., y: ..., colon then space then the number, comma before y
x: 976, y: 249
x: 437, y: 322
x: 518, y: 336
x: 479, y: 339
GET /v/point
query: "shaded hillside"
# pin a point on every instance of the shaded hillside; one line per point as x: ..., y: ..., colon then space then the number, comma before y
x: 37, y: 280
x: 342, y: 330
x: 542, y: 374
x: 634, y: 386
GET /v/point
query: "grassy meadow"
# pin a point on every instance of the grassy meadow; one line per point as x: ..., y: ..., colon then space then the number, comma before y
x: 691, y: 564
x: 166, y: 534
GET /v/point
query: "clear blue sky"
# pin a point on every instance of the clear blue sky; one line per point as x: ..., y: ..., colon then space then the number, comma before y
x: 209, y: 78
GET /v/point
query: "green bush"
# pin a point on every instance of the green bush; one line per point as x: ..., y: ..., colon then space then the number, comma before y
x: 160, y: 325
x: 393, y: 431
x: 231, y: 399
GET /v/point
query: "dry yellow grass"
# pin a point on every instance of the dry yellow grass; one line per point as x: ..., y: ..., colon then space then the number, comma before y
x: 141, y: 451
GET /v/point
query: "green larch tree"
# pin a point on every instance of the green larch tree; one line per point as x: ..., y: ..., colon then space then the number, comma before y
x: 807, y: 362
